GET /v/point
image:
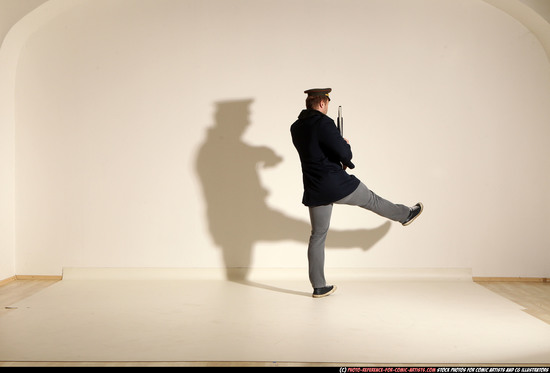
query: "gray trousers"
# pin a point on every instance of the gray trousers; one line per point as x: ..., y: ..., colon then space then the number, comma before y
x: 320, y: 222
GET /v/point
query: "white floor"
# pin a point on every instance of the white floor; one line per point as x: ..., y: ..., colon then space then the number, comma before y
x: 371, y: 319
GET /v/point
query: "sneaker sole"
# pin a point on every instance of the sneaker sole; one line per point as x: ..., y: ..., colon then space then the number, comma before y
x: 417, y: 215
x: 326, y: 294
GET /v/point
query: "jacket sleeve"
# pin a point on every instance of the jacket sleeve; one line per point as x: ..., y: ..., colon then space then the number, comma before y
x: 334, y: 144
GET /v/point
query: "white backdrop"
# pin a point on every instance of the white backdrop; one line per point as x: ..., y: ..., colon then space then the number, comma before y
x: 155, y: 133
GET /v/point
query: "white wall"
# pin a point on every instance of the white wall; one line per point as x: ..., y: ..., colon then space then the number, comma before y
x: 142, y: 129
x: 542, y: 7
x: 11, y: 11
x: 7, y: 179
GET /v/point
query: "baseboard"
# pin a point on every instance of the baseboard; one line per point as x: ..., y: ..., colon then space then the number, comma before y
x: 511, y: 279
x: 129, y: 273
x: 38, y: 277
x: 7, y: 280
x: 30, y: 277
x: 252, y: 274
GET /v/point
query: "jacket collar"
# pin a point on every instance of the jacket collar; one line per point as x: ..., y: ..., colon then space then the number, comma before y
x: 307, y: 113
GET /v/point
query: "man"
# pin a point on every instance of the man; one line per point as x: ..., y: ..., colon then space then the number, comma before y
x: 325, y: 155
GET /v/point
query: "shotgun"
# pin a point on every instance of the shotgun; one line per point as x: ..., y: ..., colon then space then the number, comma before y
x: 340, y: 121
x: 340, y: 125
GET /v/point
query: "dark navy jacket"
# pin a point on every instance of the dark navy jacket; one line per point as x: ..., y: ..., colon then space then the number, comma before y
x: 322, y: 152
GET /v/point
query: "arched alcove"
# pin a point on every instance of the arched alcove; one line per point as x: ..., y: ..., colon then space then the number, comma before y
x: 445, y: 102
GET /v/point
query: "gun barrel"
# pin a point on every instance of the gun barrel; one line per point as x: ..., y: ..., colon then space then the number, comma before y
x: 340, y: 121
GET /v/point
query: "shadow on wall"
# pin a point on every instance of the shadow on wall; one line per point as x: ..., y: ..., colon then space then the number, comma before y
x: 238, y: 215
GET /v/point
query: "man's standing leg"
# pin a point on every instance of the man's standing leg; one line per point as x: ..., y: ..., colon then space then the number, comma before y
x: 320, y: 222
